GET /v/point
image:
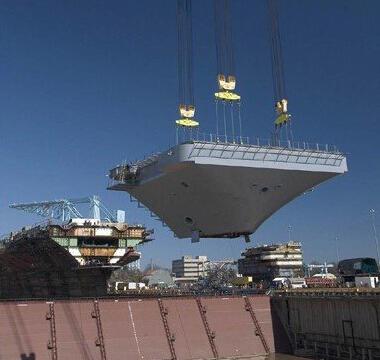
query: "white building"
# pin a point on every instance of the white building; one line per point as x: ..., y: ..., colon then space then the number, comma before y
x: 189, y: 269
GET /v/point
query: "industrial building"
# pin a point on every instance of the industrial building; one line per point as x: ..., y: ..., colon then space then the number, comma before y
x: 190, y: 269
x: 264, y: 263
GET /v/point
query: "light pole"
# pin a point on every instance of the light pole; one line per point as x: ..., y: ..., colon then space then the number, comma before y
x: 372, y: 213
x: 289, y: 232
x: 336, y: 249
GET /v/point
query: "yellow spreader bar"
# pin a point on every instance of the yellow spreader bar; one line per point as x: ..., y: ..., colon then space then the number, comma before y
x: 282, y: 119
x: 227, y: 96
x: 187, y: 122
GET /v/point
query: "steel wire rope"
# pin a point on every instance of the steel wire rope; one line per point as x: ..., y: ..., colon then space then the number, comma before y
x: 225, y: 60
x: 225, y: 121
x: 240, y: 126
x: 278, y: 77
x: 185, y: 59
x: 217, y: 40
x: 228, y: 31
x: 276, y: 54
x: 232, y: 121
x: 217, y: 120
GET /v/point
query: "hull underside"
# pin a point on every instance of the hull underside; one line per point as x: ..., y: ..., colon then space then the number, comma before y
x: 221, y: 197
x: 40, y: 268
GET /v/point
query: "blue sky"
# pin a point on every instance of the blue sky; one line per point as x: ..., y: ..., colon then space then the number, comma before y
x: 86, y: 84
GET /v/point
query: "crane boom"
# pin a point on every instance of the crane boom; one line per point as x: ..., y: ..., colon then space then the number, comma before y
x: 65, y: 209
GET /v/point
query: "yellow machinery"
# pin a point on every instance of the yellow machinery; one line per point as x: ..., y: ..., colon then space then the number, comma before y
x: 187, y: 114
x: 226, y: 88
x: 282, y: 112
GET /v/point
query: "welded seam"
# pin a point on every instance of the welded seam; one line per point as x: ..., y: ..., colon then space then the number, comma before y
x: 134, y: 331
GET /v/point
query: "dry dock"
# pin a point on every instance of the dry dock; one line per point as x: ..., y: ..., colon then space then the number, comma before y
x: 331, y: 323
x: 167, y: 328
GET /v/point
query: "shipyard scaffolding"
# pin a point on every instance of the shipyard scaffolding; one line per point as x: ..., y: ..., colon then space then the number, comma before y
x: 69, y: 254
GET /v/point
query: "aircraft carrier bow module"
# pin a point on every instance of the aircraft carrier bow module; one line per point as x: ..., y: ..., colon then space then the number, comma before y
x: 214, y: 189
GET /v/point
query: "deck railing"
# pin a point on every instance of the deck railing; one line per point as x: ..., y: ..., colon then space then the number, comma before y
x: 243, y: 144
x: 263, y: 142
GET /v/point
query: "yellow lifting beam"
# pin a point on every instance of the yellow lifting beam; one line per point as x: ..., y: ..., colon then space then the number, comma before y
x: 226, y: 88
x: 187, y: 122
x: 187, y: 113
x: 282, y: 112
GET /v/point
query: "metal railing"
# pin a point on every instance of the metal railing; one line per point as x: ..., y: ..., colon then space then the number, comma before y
x: 262, y: 142
x: 307, y: 152
x: 326, y: 292
x: 265, y: 153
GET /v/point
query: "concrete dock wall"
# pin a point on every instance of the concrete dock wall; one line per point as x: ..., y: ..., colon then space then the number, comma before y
x: 113, y: 329
x: 335, y: 326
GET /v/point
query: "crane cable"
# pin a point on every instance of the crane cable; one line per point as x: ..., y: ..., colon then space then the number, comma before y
x: 277, y: 61
x: 280, y: 98
x: 185, y: 66
x: 226, y: 78
x: 223, y: 38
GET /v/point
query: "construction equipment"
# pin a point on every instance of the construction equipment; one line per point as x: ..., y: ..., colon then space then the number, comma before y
x: 66, y: 209
x: 324, y: 268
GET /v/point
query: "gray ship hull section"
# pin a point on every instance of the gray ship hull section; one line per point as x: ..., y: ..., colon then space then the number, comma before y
x: 227, y: 191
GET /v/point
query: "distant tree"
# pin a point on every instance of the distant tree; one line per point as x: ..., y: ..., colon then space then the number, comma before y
x: 127, y: 275
x: 334, y: 269
x: 154, y: 266
x: 219, y: 277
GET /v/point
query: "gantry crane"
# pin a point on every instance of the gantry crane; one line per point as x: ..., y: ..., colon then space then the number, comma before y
x: 66, y: 209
